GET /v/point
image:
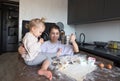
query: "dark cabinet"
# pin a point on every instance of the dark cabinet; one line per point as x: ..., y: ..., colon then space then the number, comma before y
x: 95, y: 10
x: 0, y: 32
x: 82, y: 11
x: 9, y: 13
x: 112, y: 9
x: 89, y: 11
x: 77, y: 11
x: 72, y: 11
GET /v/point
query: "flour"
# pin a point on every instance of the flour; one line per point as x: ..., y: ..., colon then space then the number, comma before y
x: 76, y: 70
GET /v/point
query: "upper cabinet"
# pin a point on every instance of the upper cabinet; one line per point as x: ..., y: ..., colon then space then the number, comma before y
x: 89, y: 11
x: 112, y: 9
x: 95, y: 10
x: 77, y: 11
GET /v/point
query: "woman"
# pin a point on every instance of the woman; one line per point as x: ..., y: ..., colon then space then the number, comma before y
x: 54, y: 46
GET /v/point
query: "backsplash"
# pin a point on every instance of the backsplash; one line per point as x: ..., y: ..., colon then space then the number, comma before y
x: 103, y: 31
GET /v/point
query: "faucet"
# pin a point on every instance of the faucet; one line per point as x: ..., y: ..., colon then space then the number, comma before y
x: 82, y: 38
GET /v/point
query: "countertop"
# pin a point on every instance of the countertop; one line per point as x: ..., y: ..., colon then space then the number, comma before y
x: 29, y: 73
x: 14, y: 69
x: 111, y: 54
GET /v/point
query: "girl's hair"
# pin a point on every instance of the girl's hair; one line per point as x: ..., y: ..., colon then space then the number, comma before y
x: 54, y: 26
x: 35, y: 22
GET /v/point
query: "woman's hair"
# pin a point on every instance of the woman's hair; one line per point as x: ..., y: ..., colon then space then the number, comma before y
x: 35, y: 22
x: 54, y: 26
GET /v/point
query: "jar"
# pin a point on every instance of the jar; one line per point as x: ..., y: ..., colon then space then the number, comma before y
x: 115, y: 45
x: 62, y: 37
x: 67, y: 40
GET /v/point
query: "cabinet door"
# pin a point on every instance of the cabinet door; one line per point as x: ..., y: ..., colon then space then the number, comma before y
x: 71, y: 11
x: 77, y: 11
x: 112, y: 9
x: 0, y: 33
x: 95, y: 10
x: 82, y: 11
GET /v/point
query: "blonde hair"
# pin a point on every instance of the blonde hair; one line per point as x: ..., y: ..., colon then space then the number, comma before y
x: 35, y: 22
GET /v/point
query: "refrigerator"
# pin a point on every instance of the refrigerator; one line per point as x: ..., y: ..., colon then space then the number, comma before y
x: 0, y: 32
x: 9, y: 28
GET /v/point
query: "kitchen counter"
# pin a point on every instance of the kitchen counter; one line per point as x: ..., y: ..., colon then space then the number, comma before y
x: 111, y: 54
x: 29, y: 73
x: 104, y: 75
x: 14, y: 69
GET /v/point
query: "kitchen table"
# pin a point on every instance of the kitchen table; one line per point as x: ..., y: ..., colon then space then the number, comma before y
x: 29, y: 73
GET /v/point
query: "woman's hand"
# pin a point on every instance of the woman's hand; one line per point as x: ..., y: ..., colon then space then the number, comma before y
x: 22, y: 50
x: 59, y: 52
x: 75, y: 46
x: 72, y: 38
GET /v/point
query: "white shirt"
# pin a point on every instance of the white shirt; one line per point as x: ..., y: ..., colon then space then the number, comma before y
x: 53, y: 48
x: 32, y: 46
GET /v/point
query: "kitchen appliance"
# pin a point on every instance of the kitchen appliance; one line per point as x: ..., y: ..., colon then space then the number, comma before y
x: 114, y: 44
x: 100, y: 44
x: 82, y: 39
x: 9, y: 16
x: 0, y: 32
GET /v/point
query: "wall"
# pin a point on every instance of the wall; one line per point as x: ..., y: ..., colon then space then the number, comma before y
x: 53, y: 10
x: 103, y: 31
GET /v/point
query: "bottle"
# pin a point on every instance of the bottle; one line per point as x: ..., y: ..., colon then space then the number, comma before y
x: 62, y: 37
x: 115, y: 45
x: 67, y: 39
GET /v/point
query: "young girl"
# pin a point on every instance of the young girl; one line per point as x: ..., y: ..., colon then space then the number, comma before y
x: 33, y: 47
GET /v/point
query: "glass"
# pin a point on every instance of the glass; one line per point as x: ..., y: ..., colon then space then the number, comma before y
x: 83, y: 59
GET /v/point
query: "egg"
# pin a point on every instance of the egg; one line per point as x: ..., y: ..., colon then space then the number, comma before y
x: 101, y: 65
x: 109, y: 66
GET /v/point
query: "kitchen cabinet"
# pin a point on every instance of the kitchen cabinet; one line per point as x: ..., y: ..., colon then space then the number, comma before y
x: 89, y: 11
x: 0, y: 31
x: 95, y: 10
x: 9, y: 26
x: 77, y: 11
x: 112, y: 9
x: 72, y: 11
x: 82, y: 11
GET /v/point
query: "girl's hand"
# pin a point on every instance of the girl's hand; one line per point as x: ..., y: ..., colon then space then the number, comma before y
x: 59, y: 52
x: 72, y: 38
x: 41, y: 40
